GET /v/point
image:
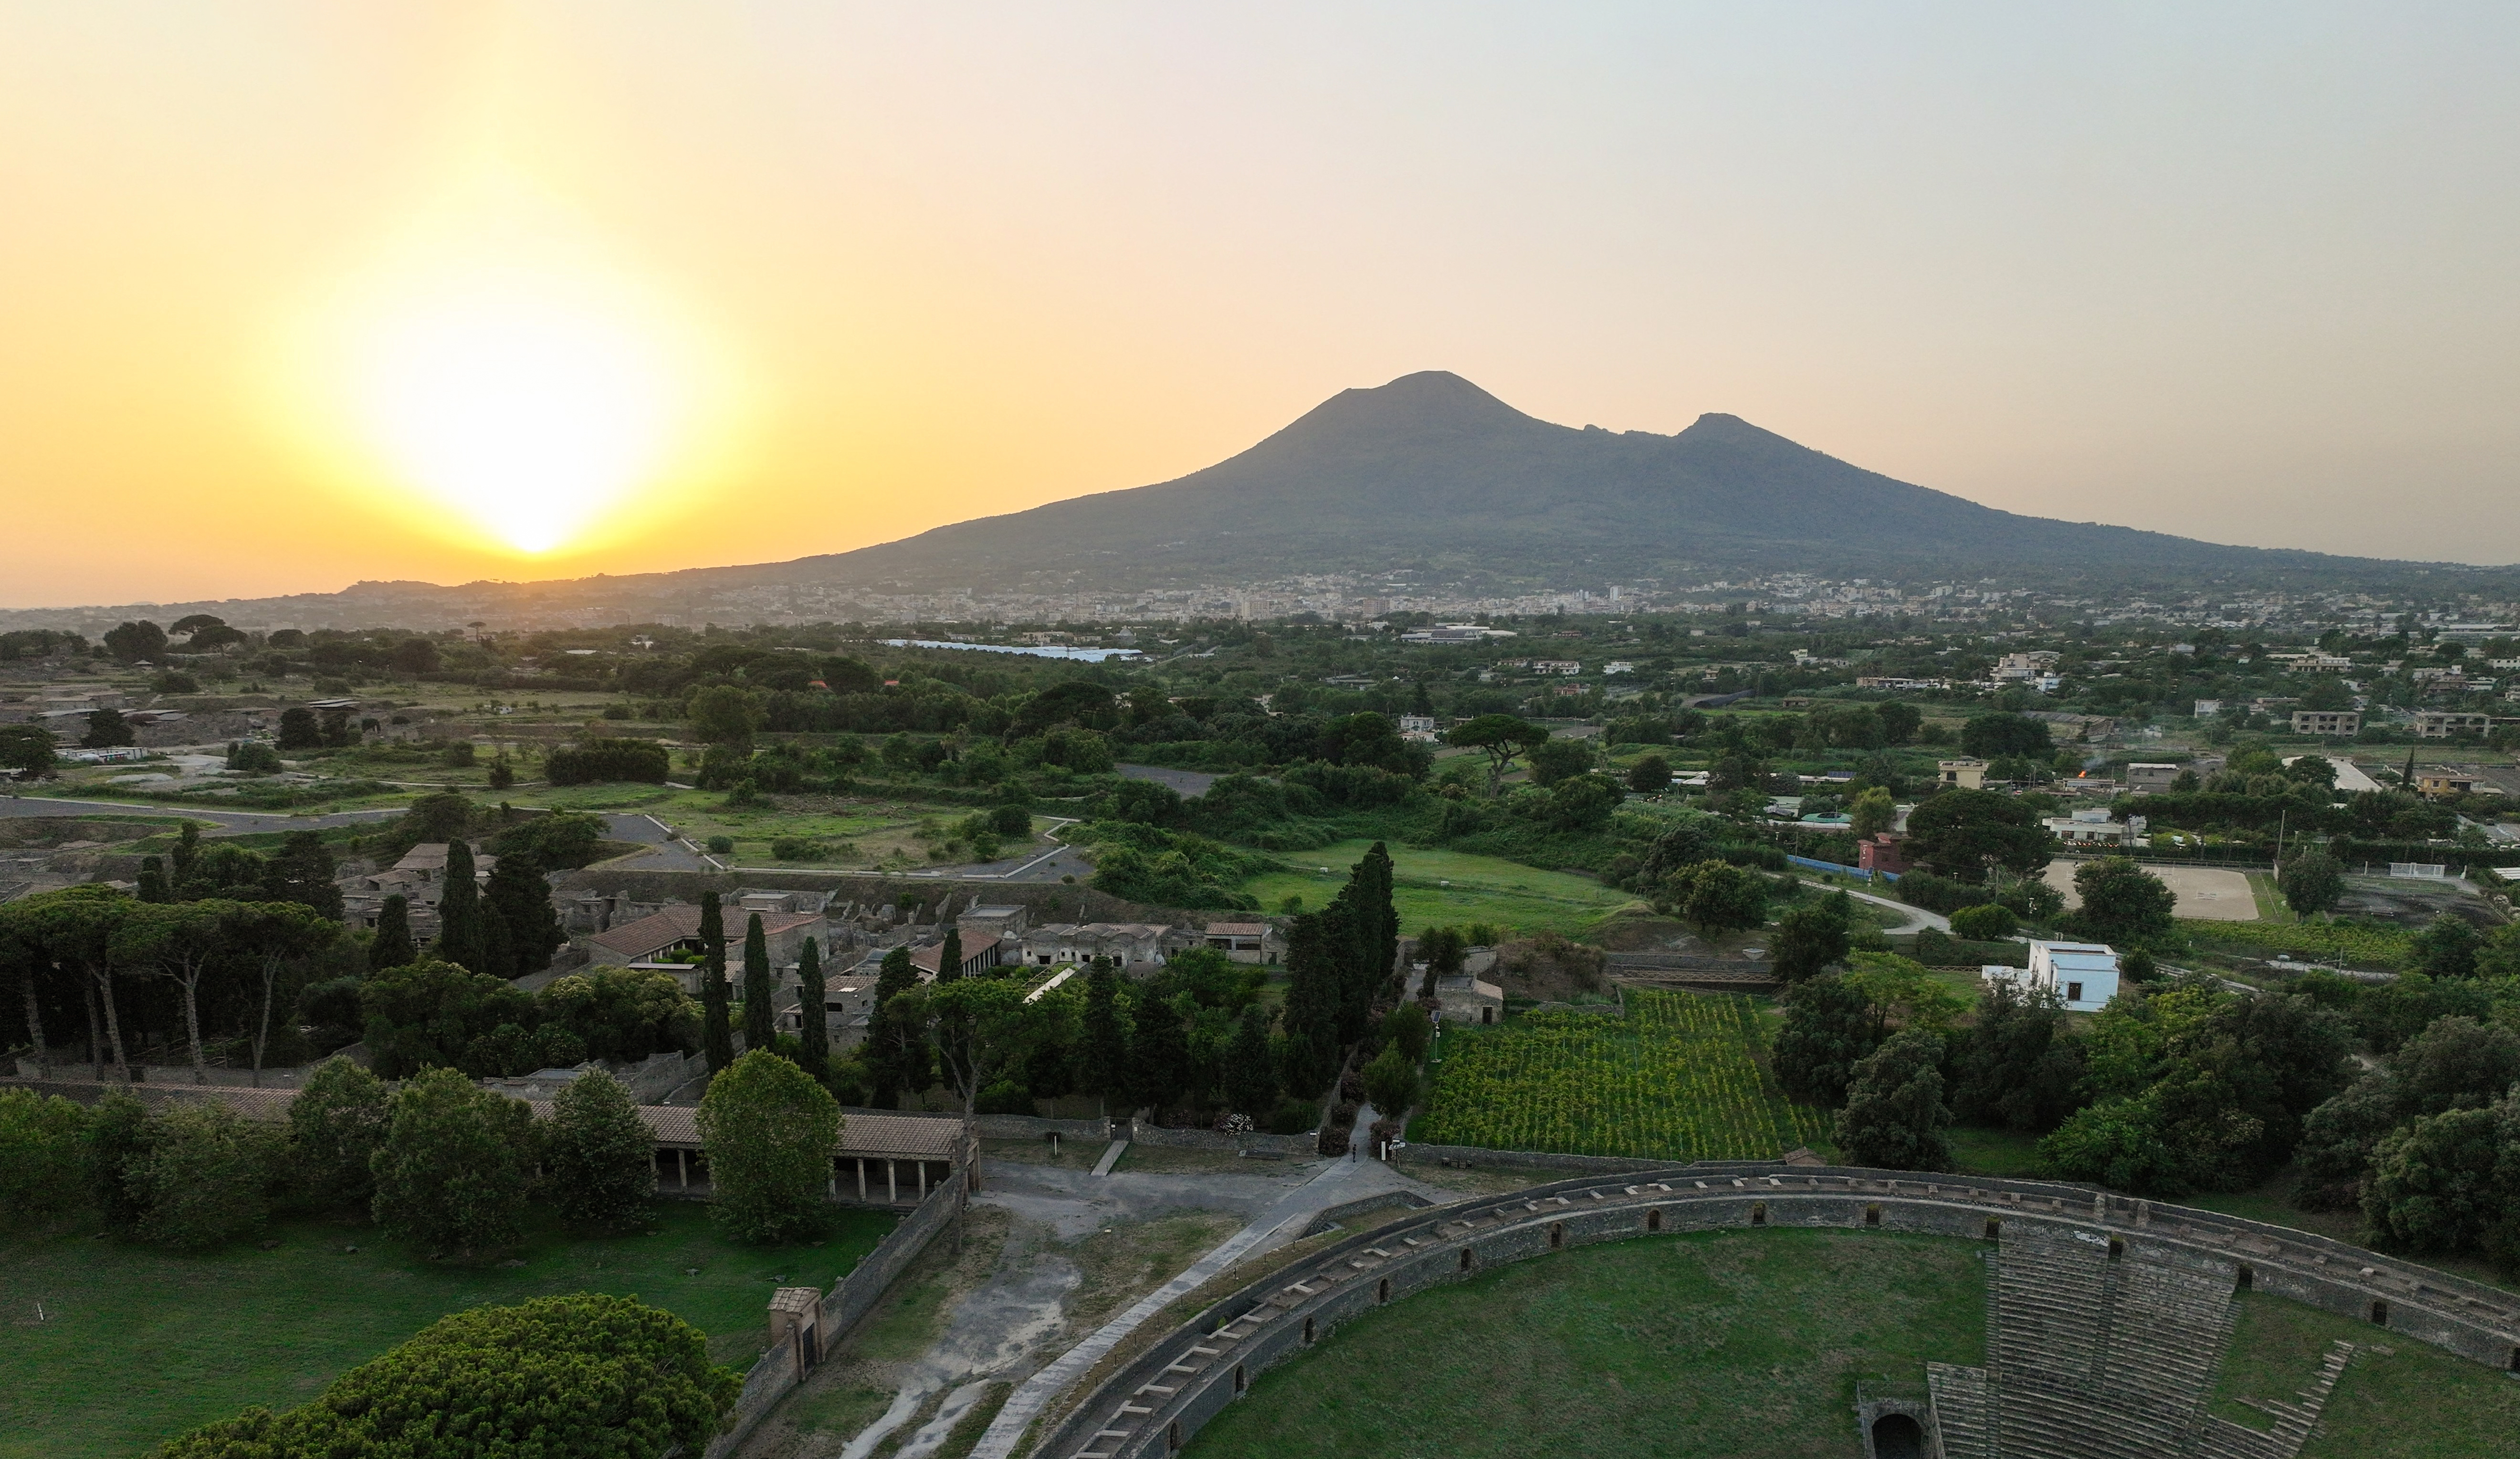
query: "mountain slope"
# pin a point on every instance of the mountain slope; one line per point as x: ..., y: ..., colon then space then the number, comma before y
x: 1432, y: 469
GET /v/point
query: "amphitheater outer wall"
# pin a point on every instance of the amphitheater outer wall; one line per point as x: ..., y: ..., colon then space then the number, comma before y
x: 1153, y: 1406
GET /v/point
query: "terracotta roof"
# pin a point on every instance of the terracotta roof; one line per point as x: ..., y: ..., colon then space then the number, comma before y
x: 926, y: 959
x: 675, y: 923
x: 1238, y: 929
x: 901, y: 1136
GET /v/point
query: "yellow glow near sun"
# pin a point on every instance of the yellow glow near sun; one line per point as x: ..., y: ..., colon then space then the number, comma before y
x: 530, y: 393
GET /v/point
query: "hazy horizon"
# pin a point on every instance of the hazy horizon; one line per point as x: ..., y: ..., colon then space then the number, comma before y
x: 812, y: 280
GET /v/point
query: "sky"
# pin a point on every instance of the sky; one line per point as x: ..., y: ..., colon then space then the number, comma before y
x: 298, y: 295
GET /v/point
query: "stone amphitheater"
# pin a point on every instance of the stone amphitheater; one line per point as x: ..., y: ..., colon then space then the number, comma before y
x: 2109, y: 1317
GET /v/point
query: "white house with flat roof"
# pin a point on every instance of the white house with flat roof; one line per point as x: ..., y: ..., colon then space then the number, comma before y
x: 2084, y: 976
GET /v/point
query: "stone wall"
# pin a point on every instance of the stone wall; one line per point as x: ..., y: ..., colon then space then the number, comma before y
x: 1479, y: 1158
x: 1142, y: 1133
x: 843, y: 1308
x: 1151, y: 1406
x: 1036, y: 1127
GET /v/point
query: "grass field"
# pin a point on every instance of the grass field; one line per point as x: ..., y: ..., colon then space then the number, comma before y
x: 1739, y: 1343
x: 1449, y: 887
x: 2399, y: 1398
x: 136, y: 1344
x: 858, y: 833
x: 1679, y: 1078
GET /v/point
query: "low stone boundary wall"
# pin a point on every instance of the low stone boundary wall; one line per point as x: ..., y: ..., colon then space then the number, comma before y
x: 287, y: 1076
x: 1334, y: 1216
x: 1142, y: 1133
x: 1036, y: 1127
x: 844, y: 1306
x: 1153, y: 1406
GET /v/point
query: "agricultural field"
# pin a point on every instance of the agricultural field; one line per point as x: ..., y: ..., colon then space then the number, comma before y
x: 1739, y: 1343
x: 1679, y: 1078
x: 134, y: 1345
x: 1449, y: 887
x: 2326, y: 941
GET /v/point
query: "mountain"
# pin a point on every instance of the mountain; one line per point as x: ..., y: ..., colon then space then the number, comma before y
x: 1432, y: 469
x: 1428, y: 473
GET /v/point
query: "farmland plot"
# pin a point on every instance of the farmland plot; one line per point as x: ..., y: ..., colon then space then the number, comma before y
x: 1677, y: 1079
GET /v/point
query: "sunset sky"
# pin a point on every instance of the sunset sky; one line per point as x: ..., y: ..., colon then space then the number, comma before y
x: 297, y: 294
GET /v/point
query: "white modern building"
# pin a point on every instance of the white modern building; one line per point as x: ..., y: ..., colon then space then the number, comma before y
x: 2084, y: 976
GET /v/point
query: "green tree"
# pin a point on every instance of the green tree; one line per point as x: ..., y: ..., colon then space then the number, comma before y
x: 949, y: 956
x: 1553, y: 761
x: 426, y: 1014
x: 1899, y: 721
x: 302, y: 873
x: 29, y: 750
x: 43, y: 1153
x: 1650, y: 775
x: 718, y: 1027
x: 1250, y: 1075
x: 451, y: 1175
x: 2447, y: 948
x: 1830, y: 1027
x: 2015, y: 1066
x: 1873, y: 812
x: 1718, y: 896
x: 1995, y: 736
x: 1501, y: 739
x: 461, y: 938
x: 1991, y: 922
x: 1968, y: 834
x: 1895, y: 1116
x: 73, y: 929
x: 1391, y: 1083
x: 760, y: 1016
x: 1103, y: 1063
x: 131, y: 642
x: 814, y: 1029
x: 299, y: 729
x: 522, y: 900
x: 601, y: 1156
x: 180, y: 943
x: 117, y: 1144
x: 622, y: 1014
x: 201, y: 1183
x: 769, y: 1130
x: 336, y: 1125
x: 725, y: 714
x: 1811, y: 937
x: 107, y: 729
x: 582, y: 1376
x: 391, y: 946
x: 152, y: 882
x: 2122, y: 902
x: 2445, y: 1182
x: 1903, y: 991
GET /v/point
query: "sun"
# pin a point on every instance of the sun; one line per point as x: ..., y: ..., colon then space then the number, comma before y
x: 526, y: 408
x: 496, y: 378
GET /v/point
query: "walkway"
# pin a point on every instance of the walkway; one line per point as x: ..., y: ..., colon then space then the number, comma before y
x: 1341, y: 1183
x: 1919, y: 919
x: 227, y: 822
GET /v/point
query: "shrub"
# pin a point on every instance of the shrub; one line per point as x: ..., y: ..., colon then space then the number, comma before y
x: 336, y: 1124
x: 117, y: 1142
x: 795, y: 848
x: 769, y: 1131
x: 1391, y: 1080
x: 721, y: 845
x: 1011, y: 820
x: 622, y: 1014
x: 202, y: 1181
x: 452, y: 1172
x: 1992, y: 922
x: 43, y: 1151
x: 1895, y: 1115
x: 601, y: 1159
x: 583, y: 1377
x: 643, y: 762
x: 1005, y: 1097
x: 561, y: 840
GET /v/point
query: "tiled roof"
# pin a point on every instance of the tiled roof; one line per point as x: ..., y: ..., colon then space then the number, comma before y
x: 683, y: 919
x: 926, y: 959
x: 1237, y: 929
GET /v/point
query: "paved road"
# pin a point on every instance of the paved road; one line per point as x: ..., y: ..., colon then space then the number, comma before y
x: 1189, y: 783
x: 1919, y: 919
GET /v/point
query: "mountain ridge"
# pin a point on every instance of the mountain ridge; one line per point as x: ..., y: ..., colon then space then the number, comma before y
x: 1427, y: 472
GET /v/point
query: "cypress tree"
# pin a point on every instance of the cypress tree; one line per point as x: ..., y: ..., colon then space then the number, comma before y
x: 303, y: 871
x: 949, y: 958
x: 391, y: 946
x: 1250, y: 1083
x: 522, y: 901
x: 1159, y: 1058
x: 1315, y: 971
x: 897, y: 1052
x: 760, y: 1013
x: 814, y: 1033
x: 152, y: 882
x: 498, y: 949
x: 1103, y: 1063
x: 188, y: 848
x: 459, y: 939
x: 717, y: 1037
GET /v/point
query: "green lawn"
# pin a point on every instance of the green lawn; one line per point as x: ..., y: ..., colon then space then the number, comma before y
x: 2399, y: 1398
x: 137, y: 1345
x: 2000, y: 1152
x: 1736, y: 1342
x: 1449, y: 887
